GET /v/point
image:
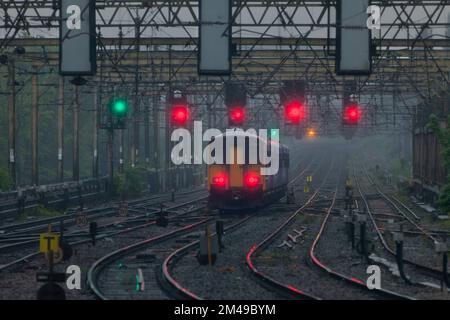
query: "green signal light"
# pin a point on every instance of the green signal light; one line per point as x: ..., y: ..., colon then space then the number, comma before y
x: 119, y: 107
x: 137, y: 283
x: 275, y: 134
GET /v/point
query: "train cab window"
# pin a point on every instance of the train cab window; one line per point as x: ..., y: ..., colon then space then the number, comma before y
x: 247, y: 150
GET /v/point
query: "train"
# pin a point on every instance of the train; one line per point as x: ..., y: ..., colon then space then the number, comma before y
x: 240, y: 185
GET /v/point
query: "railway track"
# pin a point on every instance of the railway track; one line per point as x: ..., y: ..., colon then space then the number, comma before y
x: 311, y: 283
x: 106, y: 275
x: 13, y: 234
x: 335, y: 254
x: 118, y: 226
x: 175, y: 260
x: 175, y: 287
x: 265, y: 278
x: 351, y: 279
x: 41, y: 224
x: 21, y: 273
x: 85, y: 190
x: 384, y: 227
x: 113, y: 239
x: 166, y: 257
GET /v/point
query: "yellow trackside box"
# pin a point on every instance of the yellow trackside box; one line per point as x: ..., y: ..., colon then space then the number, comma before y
x: 48, y: 241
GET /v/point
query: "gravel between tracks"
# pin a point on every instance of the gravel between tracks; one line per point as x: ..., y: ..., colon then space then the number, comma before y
x: 335, y: 250
x: 229, y: 278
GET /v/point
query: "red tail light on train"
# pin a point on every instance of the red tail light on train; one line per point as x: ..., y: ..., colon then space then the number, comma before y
x: 220, y: 180
x: 252, y: 180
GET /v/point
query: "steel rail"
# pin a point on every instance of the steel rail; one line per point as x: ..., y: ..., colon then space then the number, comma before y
x: 427, y: 270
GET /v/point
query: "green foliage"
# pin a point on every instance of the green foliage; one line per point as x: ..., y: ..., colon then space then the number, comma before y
x: 5, y: 180
x: 443, y: 135
x: 38, y: 212
x: 48, y: 80
x: 129, y: 183
x: 445, y: 223
x: 401, y: 175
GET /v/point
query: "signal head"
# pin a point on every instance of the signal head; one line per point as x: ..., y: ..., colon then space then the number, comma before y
x: 119, y: 107
x: 352, y: 114
x: 236, y: 115
x: 294, y: 111
x: 179, y: 114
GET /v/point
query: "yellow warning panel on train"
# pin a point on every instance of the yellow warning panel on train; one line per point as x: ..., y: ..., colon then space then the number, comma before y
x: 48, y: 242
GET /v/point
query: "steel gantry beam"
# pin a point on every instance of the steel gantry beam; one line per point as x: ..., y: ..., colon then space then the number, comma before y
x: 142, y: 43
x: 281, y: 25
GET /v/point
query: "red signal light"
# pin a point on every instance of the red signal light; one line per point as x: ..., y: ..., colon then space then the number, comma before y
x: 294, y: 111
x: 237, y: 115
x: 252, y: 180
x: 352, y: 114
x: 179, y: 114
x: 220, y: 180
